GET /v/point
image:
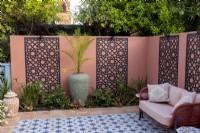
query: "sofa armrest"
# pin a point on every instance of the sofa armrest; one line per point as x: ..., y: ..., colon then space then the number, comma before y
x: 187, y: 114
x: 144, y: 94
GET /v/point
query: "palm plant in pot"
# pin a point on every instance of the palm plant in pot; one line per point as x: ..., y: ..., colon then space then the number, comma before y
x: 78, y: 81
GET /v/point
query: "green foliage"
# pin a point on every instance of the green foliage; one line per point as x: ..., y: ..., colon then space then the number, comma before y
x: 140, y: 17
x: 189, y: 10
x: 100, y: 98
x: 56, y: 99
x: 124, y: 93
x: 4, y: 48
x: 2, y: 55
x: 28, y: 16
x: 79, y: 46
x: 138, y: 84
x: 4, y: 88
x: 30, y: 95
x: 25, y: 17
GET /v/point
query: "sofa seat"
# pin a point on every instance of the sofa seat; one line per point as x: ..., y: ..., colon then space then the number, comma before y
x: 161, y: 112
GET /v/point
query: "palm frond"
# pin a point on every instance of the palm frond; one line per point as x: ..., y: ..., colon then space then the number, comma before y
x: 70, y: 55
x: 79, y: 46
x: 84, y: 60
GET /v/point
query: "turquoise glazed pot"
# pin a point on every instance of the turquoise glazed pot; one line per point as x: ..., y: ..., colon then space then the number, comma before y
x: 79, y: 85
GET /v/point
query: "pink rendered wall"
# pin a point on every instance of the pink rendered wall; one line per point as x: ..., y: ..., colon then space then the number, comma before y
x: 137, y: 52
x: 137, y: 60
x: 153, y: 59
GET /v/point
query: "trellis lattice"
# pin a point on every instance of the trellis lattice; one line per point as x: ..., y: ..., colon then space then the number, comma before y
x: 42, y: 60
x: 168, y: 59
x: 192, y: 77
x: 112, y: 61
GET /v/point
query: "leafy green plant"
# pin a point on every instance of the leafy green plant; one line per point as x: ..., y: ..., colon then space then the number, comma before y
x: 138, y: 84
x: 30, y: 95
x: 100, y: 98
x: 56, y: 99
x: 4, y: 87
x: 79, y: 46
x: 124, y: 93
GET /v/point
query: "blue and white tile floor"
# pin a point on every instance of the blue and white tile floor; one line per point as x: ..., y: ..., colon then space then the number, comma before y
x: 113, y: 123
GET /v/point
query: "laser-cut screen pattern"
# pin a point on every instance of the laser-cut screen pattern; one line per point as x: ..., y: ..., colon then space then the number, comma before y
x: 42, y: 60
x: 168, y: 59
x: 112, y: 61
x: 192, y: 77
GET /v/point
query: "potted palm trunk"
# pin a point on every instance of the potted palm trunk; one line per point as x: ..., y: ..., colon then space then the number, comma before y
x: 78, y: 81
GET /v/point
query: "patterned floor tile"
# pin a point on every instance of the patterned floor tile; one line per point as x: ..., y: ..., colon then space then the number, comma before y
x: 112, y: 123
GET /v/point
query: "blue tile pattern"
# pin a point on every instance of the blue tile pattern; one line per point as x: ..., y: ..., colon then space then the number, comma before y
x: 114, y: 123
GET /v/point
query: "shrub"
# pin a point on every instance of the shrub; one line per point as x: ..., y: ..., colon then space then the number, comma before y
x: 100, y: 98
x: 56, y: 99
x: 4, y: 87
x: 30, y: 94
x: 2, y: 113
x: 124, y: 93
x: 138, y: 84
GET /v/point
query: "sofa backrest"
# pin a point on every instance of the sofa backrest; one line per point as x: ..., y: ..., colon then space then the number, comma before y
x: 176, y: 93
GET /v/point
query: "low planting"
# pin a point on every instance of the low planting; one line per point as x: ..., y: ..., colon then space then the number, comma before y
x: 4, y: 87
x: 56, y: 99
x: 100, y: 98
x: 30, y: 95
x: 123, y: 96
x: 34, y: 99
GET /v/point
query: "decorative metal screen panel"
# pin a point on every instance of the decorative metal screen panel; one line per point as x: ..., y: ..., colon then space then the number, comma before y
x: 42, y: 60
x: 192, y: 77
x: 168, y: 59
x: 112, y: 61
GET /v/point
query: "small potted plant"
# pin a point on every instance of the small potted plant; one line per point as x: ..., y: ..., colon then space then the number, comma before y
x: 78, y: 81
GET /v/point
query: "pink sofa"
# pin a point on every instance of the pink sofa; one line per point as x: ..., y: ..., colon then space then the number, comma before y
x: 184, y: 115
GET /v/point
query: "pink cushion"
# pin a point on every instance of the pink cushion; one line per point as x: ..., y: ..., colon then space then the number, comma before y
x: 197, y: 98
x: 187, y: 97
x: 185, y: 92
x: 161, y: 112
x: 174, y: 94
x: 158, y: 92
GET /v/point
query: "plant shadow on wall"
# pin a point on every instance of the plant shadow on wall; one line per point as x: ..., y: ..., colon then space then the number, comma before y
x: 124, y: 95
x: 78, y: 81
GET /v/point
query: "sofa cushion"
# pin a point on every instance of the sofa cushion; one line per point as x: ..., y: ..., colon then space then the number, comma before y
x: 158, y: 92
x: 161, y: 112
x: 197, y: 98
x: 187, y: 97
x: 174, y: 94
